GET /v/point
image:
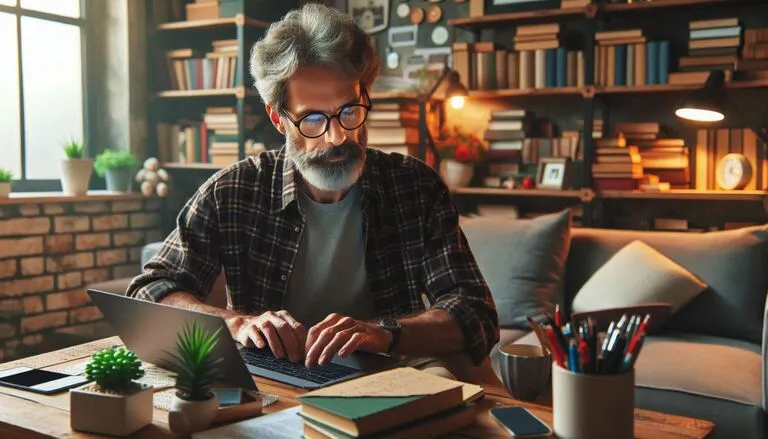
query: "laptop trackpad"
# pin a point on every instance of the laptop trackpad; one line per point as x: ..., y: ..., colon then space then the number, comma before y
x: 367, y: 361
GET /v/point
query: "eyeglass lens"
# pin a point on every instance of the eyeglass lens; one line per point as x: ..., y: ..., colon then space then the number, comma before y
x: 350, y: 118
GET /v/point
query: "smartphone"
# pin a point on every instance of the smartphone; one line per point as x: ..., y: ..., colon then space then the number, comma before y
x: 39, y: 381
x: 520, y: 422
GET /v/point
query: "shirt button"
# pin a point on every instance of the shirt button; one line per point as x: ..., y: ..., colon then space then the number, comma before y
x: 297, y: 229
x: 283, y: 277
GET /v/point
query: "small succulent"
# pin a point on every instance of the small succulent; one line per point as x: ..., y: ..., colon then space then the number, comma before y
x: 195, y: 367
x: 114, y: 159
x: 114, y: 369
x: 5, y: 175
x: 73, y: 149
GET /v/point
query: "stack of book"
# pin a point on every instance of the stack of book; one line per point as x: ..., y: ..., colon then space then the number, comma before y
x: 398, y: 403
x: 394, y: 127
x: 202, y: 10
x: 754, y: 55
x: 506, y: 135
x: 544, y: 62
x: 627, y: 58
x: 568, y: 4
x: 189, y: 69
x: 712, y: 45
x: 222, y: 126
x: 617, y: 166
x: 664, y: 159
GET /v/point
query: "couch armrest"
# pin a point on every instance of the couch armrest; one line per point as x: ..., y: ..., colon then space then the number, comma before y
x: 764, y: 364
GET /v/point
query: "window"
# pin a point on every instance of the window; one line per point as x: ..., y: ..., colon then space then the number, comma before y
x: 41, y: 87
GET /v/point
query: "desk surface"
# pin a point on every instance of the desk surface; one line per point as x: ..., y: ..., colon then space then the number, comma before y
x: 29, y: 415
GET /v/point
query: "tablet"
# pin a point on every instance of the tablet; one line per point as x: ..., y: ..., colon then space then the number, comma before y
x: 40, y: 381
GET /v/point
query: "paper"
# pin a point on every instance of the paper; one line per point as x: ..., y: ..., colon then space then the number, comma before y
x: 403, y: 381
x: 279, y: 425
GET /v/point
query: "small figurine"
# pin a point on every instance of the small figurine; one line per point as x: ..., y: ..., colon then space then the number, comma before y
x: 153, y: 178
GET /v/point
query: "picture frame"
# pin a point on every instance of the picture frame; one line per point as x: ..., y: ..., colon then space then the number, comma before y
x: 554, y: 173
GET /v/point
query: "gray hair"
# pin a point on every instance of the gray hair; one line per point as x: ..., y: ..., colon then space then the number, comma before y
x: 313, y: 36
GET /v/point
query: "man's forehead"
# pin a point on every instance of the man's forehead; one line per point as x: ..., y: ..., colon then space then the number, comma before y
x: 319, y: 88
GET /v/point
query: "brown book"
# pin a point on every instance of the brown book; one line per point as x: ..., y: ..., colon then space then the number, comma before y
x: 714, y: 42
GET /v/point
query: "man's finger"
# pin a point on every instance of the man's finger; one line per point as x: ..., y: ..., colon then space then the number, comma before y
x: 288, y: 338
x: 324, y: 338
x: 254, y: 337
x: 352, y: 344
x: 299, y: 331
x: 339, y: 340
x: 315, y: 331
x: 270, y: 333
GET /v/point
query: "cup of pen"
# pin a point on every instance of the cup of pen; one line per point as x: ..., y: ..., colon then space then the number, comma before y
x: 591, y: 405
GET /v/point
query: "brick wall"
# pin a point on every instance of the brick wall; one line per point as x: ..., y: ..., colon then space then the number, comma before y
x: 50, y: 249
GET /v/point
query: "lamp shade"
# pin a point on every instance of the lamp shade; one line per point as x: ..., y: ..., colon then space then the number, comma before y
x: 455, y: 91
x: 706, y: 104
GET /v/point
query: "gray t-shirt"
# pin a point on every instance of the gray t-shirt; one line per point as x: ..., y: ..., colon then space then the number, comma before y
x: 329, y: 273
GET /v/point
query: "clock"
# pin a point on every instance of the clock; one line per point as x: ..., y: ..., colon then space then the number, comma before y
x: 734, y: 172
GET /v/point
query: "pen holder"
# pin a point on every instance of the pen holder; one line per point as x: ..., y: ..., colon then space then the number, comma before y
x: 593, y: 406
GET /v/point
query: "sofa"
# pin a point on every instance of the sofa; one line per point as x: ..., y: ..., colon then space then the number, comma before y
x: 707, y: 360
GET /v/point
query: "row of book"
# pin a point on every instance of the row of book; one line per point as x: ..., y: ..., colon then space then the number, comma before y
x: 190, y: 69
x: 394, y: 127
x: 213, y: 139
x: 627, y: 58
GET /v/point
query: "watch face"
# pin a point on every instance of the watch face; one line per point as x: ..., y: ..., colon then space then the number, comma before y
x: 389, y: 323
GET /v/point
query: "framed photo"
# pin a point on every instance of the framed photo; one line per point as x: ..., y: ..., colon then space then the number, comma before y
x: 553, y: 173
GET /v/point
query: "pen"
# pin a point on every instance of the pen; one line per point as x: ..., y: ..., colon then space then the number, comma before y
x: 557, y: 351
x: 540, y: 335
x: 573, y: 356
x: 631, y: 357
x: 586, y: 362
x: 558, y: 316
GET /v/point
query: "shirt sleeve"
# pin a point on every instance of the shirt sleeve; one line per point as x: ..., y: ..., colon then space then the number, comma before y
x: 453, y: 278
x: 189, y: 257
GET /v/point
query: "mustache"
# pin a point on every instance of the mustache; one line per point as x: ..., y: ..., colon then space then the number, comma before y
x: 347, y: 149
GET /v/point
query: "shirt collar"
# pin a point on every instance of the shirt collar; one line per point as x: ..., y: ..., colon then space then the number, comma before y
x: 285, y: 187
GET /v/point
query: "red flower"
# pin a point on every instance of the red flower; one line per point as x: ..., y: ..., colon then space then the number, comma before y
x: 463, y: 153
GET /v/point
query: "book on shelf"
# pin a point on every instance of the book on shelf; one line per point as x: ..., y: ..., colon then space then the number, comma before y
x: 190, y: 69
x: 388, y: 403
x: 629, y: 58
x: 394, y: 127
x: 713, y: 44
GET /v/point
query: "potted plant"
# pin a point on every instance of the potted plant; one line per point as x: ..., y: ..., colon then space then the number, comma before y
x: 76, y: 169
x: 458, y: 152
x: 5, y: 182
x: 114, y: 403
x: 196, y: 369
x: 118, y: 167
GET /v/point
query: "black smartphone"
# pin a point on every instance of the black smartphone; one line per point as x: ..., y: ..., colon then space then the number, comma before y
x: 520, y: 422
x: 38, y: 380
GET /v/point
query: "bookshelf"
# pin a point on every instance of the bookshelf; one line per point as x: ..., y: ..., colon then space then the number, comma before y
x: 601, y: 104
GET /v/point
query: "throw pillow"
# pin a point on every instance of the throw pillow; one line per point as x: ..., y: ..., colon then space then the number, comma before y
x: 636, y: 275
x: 522, y: 261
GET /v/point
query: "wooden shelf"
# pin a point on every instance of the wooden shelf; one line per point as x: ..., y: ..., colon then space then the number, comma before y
x: 687, y: 194
x: 213, y: 23
x: 660, y: 88
x: 638, y: 6
x: 507, y: 18
x: 519, y: 192
x: 236, y: 91
x: 511, y: 92
x: 200, y: 166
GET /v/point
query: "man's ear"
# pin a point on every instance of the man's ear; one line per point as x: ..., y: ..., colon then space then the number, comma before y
x: 274, y: 117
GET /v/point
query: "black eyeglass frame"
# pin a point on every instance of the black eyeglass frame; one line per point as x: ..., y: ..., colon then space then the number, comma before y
x: 368, y: 107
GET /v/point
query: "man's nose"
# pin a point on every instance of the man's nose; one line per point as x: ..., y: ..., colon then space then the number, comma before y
x: 336, y: 134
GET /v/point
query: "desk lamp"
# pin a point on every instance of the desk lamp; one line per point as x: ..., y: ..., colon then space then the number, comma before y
x: 455, y: 93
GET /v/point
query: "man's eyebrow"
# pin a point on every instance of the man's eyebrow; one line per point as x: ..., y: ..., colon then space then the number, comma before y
x: 312, y: 110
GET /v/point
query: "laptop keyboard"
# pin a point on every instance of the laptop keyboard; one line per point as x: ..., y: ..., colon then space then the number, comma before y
x: 319, y: 374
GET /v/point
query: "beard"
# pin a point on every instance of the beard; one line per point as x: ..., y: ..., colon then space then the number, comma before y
x: 333, y: 169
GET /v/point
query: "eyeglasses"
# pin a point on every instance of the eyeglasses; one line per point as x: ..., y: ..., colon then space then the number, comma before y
x: 350, y: 117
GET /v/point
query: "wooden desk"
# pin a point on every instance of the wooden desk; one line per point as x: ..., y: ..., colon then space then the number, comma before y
x: 26, y: 415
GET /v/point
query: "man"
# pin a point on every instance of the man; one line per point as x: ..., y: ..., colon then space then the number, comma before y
x: 326, y: 246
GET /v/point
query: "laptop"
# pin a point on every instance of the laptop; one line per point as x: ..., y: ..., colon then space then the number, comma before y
x: 150, y: 330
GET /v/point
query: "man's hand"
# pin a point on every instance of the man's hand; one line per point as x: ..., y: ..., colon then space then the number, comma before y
x: 343, y: 335
x: 284, y: 335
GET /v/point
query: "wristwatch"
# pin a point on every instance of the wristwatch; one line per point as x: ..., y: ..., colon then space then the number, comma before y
x: 394, y: 327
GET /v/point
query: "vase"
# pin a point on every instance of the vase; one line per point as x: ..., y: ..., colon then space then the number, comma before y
x: 119, y: 179
x: 455, y: 173
x: 111, y: 414
x: 76, y: 176
x: 5, y: 189
x: 186, y: 417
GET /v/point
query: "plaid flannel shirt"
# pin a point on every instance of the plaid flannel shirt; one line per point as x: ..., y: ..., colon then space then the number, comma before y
x: 246, y: 219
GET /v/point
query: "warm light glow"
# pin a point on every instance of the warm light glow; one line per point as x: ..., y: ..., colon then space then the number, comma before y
x: 457, y: 102
x: 699, y: 115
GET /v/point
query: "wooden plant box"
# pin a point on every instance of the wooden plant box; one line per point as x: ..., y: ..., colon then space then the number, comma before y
x: 104, y: 413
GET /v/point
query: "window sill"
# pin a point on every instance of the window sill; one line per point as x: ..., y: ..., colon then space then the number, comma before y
x: 60, y: 197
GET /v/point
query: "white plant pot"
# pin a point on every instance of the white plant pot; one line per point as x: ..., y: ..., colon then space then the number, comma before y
x: 5, y: 189
x: 456, y: 174
x: 186, y: 417
x: 76, y: 175
x: 104, y: 413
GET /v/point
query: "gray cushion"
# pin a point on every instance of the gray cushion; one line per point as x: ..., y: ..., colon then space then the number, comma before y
x: 522, y: 262
x: 732, y: 263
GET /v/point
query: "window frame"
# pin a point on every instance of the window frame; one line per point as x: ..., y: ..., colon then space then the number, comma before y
x: 21, y: 183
